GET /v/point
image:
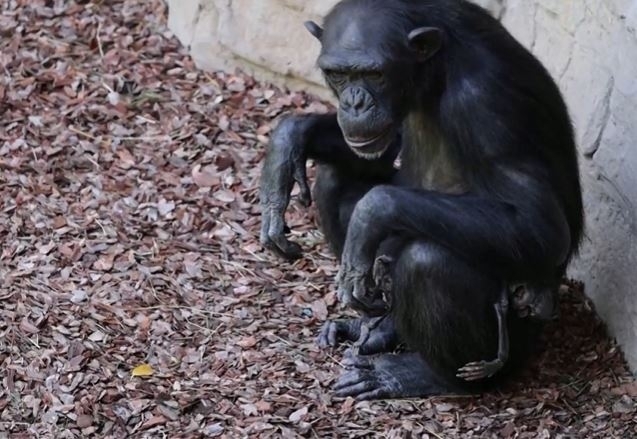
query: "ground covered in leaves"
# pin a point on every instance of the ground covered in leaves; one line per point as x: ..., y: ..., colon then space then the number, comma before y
x: 129, y: 222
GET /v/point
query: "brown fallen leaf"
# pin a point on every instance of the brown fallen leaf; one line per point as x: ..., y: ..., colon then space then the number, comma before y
x: 168, y: 412
x: 508, y: 430
x: 27, y: 326
x: 319, y: 309
x: 629, y: 389
x: 248, y: 342
x: 127, y: 160
x: 249, y: 409
x: 153, y: 422
x: 347, y: 406
x: 263, y: 406
x: 84, y: 421
x: 224, y: 161
x: 299, y: 415
x: 205, y: 177
x: 225, y: 196
x: 104, y: 262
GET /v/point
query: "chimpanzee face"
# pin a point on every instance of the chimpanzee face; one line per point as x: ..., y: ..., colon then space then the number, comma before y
x: 370, y: 70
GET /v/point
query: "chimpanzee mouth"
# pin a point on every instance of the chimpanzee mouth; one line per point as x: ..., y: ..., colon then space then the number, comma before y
x: 371, y: 148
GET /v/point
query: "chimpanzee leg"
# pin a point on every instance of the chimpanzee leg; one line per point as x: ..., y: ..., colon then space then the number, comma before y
x: 443, y: 310
x: 336, y: 195
x: 375, y: 332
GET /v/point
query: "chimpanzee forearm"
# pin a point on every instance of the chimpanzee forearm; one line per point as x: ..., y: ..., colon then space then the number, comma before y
x: 292, y: 142
x: 510, y: 240
x: 322, y: 140
x: 501, y: 311
x: 506, y: 235
x: 484, y: 369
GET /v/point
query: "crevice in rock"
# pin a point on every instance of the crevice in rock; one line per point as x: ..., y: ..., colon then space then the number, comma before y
x: 561, y: 74
x: 503, y: 9
x: 195, y: 23
x: 589, y: 153
x: 534, y: 29
x: 626, y: 206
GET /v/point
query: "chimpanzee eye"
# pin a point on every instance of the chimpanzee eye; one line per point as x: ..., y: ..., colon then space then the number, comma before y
x: 335, y: 76
x: 375, y: 75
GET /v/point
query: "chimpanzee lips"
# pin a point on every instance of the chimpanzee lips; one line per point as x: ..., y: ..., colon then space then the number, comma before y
x: 373, y: 147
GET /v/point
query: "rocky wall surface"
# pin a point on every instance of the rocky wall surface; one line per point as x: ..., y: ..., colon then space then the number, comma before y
x: 589, y: 46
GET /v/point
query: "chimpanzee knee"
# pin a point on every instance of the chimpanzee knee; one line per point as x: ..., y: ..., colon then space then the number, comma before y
x: 443, y: 308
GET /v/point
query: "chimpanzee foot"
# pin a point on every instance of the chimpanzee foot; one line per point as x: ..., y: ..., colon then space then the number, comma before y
x: 479, y: 370
x: 387, y: 376
x: 377, y: 335
x: 371, y: 335
x: 335, y: 331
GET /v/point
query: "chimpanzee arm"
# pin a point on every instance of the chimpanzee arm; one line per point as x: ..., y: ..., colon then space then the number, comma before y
x: 479, y: 370
x: 512, y: 237
x: 322, y: 140
x: 294, y: 140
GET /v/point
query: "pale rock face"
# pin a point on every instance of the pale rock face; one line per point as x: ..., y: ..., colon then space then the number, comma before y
x: 590, y: 48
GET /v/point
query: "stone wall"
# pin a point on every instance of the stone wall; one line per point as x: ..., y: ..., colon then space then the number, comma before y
x: 590, y: 47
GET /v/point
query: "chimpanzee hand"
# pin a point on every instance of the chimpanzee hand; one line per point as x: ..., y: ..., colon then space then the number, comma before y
x: 369, y: 295
x: 284, y: 164
x: 365, y: 233
x: 351, y: 282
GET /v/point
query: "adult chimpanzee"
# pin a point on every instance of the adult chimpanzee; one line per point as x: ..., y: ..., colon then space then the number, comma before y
x: 487, y: 195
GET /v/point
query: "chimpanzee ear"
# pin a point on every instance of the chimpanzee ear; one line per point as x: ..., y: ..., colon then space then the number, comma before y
x: 425, y: 41
x: 314, y: 29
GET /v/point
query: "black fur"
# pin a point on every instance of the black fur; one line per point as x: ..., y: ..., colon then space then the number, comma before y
x: 488, y: 192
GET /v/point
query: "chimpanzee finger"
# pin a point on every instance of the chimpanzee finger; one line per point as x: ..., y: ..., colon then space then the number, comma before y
x: 371, y: 307
x: 342, y: 294
x: 376, y: 343
x: 472, y: 371
x: 350, y: 359
x: 329, y: 335
x: 332, y: 334
x: 305, y: 194
x: 359, y: 291
x: 321, y: 338
x: 379, y: 393
x: 265, y: 238
x: 285, y: 248
x: 265, y: 226
x: 472, y: 376
x: 351, y: 378
x: 355, y: 383
x: 277, y: 237
x: 472, y: 367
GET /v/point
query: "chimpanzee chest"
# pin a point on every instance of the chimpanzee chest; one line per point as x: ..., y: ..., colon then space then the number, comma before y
x: 426, y: 160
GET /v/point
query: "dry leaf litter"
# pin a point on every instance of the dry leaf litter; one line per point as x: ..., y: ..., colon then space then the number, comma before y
x: 135, y: 298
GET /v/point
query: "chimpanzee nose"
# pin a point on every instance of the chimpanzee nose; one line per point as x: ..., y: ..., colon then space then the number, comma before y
x: 356, y: 101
